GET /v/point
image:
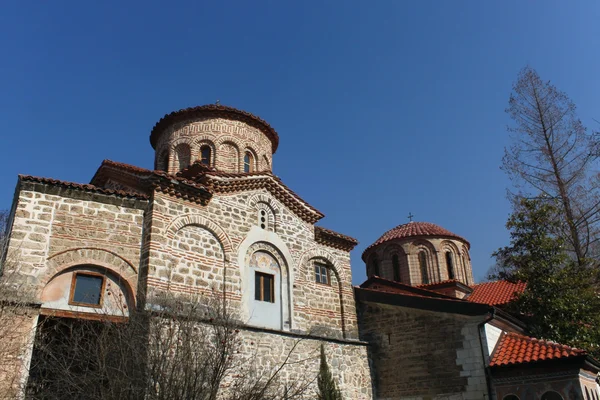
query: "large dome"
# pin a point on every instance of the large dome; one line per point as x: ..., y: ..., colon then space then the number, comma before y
x: 415, y: 229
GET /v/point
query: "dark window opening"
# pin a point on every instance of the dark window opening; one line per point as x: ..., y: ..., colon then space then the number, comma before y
x: 86, y: 289
x: 205, y: 154
x: 248, y: 162
x: 423, y: 265
x: 551, y: 395
x: 321, y: 274
x: 375, y: 267
x: 450, y: 265
x: 396, y: 266
x: 264, y: 287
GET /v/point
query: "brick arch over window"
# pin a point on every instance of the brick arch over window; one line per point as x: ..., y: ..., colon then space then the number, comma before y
x: 228, y: 162
x: 465, y: 262
x: 306, y: 266
x: 98, y: 257
x: 193, y: 219
x: 448, y: 246
x: 433, y: 273
x: 249, y: 160
x: 395, y: 257
x: 255, y: 201
x: 199, y: 144
x: 284, y: 289
x: 162, y: 161
x: 183, y: 155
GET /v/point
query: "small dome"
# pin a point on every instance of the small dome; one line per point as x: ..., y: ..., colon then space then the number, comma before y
x: 415, y: 229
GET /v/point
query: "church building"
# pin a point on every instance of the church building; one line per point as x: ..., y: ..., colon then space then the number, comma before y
x: 212, y: 217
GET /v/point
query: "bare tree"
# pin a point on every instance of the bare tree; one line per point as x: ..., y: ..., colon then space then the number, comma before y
x: 550, y: 158
x: 180, y: 347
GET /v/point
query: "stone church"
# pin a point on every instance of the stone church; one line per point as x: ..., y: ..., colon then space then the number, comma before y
x: 213, y: 217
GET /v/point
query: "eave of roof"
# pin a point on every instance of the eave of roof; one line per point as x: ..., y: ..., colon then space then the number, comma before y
x: 514, y: 349
x: 148, y: 180
x: 214, y: 111
x: 496, y: 293
x: 446, y: 284
x: 334, y: 239
x: 446, y: 305
x: 82, y: 187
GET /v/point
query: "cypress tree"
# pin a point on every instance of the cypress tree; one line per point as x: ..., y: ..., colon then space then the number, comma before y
x: 328, y: 389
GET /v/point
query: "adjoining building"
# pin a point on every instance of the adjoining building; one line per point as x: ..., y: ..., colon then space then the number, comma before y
x: 212, y: 217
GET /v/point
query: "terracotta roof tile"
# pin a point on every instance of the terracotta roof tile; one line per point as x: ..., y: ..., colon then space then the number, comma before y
x: 514, y: 349
x: 496, y: 293
x: 377, y: 283
x: 216, y: 111
x: 414, y: 229
x: 80, y: 186
x: 334, y: 239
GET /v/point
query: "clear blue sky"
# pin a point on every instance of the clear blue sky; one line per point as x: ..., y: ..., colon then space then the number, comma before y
x: 383, y: 107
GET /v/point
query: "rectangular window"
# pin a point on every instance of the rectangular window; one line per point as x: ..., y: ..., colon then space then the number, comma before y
x: 321, y: 274
x: 264, y: 287
x: 86, y: 289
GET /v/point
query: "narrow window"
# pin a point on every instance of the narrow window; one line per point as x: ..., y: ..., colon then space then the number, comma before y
x: 248, y: 162
x: 205, y: 155
x: 396, y: 266
x: 86, y: 289
x: 263, y: 219
x: 374, y: 266
x: 264, y: 287
x: 423, y: 265
x: 450, y: 265
x: 321, y: 274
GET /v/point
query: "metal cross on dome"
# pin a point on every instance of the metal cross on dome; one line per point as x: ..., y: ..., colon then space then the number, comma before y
x: 410, y: 216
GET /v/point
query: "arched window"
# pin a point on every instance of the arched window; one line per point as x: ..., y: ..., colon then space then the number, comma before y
x: 396, y: 266
x: 322, y: 274
x: 551, y: 395
x: 248, y: 162
x: 450, y: 265
x: 374, y: 266
x: 510, y: 397
x: 205, y: 155
x: 423, y: 266
x: 183, y: 155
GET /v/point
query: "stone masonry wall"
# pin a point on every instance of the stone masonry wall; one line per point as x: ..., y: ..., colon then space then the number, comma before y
x: 423, y: 355
x: 55, y: 229
x: 223, y: 226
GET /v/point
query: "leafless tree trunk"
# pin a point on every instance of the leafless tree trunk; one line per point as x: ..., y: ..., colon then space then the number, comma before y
x: 551, y: 157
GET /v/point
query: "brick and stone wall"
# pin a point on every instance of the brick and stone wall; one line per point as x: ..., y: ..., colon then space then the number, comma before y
x: 228, y: 140
x: 407, y: 252
x: 201, y: 248
x: 423, y: 355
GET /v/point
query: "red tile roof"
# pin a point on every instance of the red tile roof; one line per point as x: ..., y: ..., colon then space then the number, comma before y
x: 414, y: 229
x: 214, y: 111
x: 334, y: 239
x: 496, y: 293
x: 518, y: 349
x: 80, y: 186
x: 377, y: 283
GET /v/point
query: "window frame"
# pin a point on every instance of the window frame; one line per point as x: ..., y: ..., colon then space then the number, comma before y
x: 202, y: 159
x: 260, y: 296
x: 320, y: 273
x: 74, y: 284
x: 248, y: 161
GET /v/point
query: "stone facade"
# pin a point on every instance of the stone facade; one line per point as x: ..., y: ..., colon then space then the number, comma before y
x: 413, y: 360
x: 141, y: 232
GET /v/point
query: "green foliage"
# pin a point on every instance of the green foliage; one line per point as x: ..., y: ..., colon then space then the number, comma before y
x: 561, y: 300
x: 328, y: 389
